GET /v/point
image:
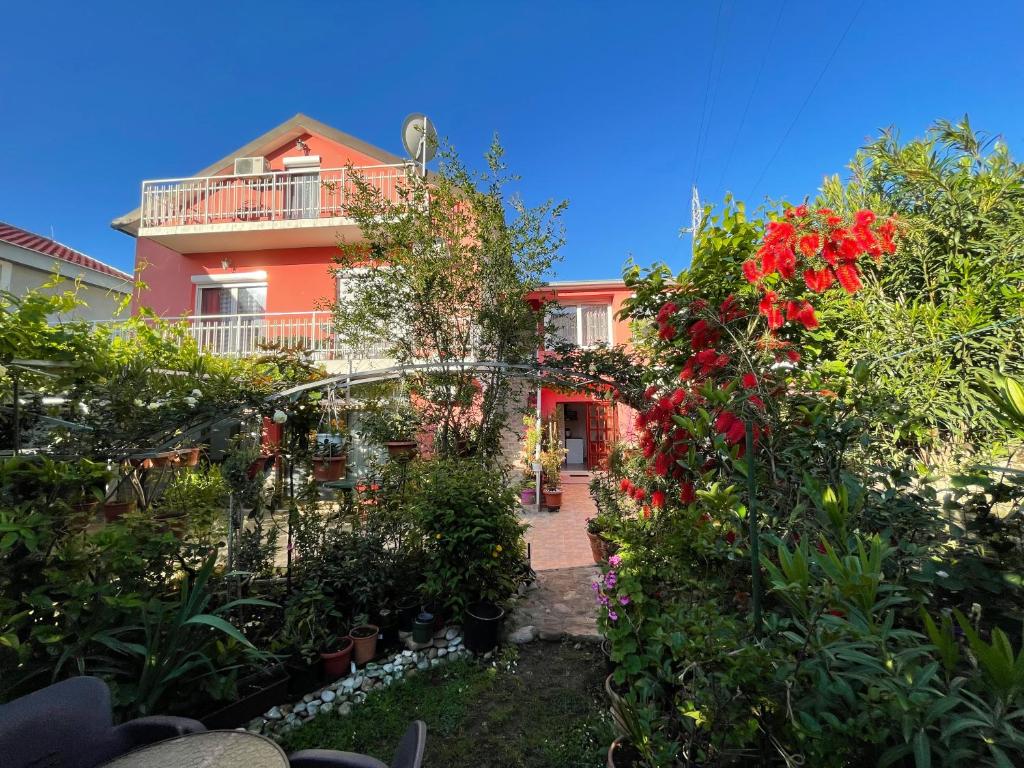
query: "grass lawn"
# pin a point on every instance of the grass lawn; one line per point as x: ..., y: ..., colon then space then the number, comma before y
x: 544, y: 709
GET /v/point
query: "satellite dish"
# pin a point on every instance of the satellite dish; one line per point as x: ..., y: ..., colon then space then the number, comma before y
x: 420, y: 138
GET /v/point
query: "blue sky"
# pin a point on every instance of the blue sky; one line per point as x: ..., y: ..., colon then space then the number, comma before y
x: 602, y: 103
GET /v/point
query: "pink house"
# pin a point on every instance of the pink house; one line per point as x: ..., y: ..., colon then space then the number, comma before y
x: 241, y: 249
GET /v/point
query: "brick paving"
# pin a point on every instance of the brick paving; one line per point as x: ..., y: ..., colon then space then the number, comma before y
x: 559, y: 539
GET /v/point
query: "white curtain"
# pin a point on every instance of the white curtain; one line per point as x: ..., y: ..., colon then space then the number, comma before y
x: 595, y: 324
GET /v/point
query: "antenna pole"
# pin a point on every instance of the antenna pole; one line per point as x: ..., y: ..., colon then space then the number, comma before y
x: 423, y: 148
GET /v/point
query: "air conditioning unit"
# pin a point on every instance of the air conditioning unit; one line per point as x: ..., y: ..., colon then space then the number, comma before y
x: 245, y: 166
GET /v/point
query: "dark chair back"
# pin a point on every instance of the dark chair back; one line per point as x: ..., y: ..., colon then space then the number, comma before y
x: 66, y: 725
x: 410, y: 749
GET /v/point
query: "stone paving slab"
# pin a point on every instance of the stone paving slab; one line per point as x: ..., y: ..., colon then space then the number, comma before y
x: 559, y: 605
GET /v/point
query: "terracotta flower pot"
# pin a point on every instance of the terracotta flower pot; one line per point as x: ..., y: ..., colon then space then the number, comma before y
x: 553, y: 498
x: 115, y: 510
x: 364, y: 640
x: 163, y: 459
x: 329, y: 468
x: 401, y: 449
x: 597, y: 547
x: 189, y: 457
x: 339, y: 663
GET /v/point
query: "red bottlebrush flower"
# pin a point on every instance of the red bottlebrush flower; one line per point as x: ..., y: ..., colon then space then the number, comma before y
x: 849, y: 249
x: 724, y: 421
x: 624, y: 485
x: 793, y: 355
x: 661, y: 464
x: 749, y: 380
x: 829, y: 254
x: 658, y: 499
x: 803, y: 313
x: 730, y: 537
x: 774, y: 317
x: 778, y: 231
x: 756, y: 401
x: 667, y: 309
x: 836, y: 612
x: 736, y: 432
x: 833, y: 220
x: 698, y: 305
x: 767, y: 302
x: 819, y: 281
x: 864, y: 218
x: 786, y: 263
x: 809, y: 245
x: 687, y: 372
x: 646, y: 512
x: 848, y: 277
x: 800, y: 210
x: 648, y: 449
x: 639, y: 494
x: 820, y: 547
x: 751, y: 272
x: 649, y: 392
x: 687, y: 494
x: 677, y: 397
x: 824, y: 211
x: 666, y: 331
x: 769, y: 262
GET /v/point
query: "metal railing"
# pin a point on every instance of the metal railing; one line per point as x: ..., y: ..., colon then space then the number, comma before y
x: 253, y: 334
x: 275, y: 196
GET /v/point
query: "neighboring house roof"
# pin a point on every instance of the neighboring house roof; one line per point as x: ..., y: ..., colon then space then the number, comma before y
x: 47, y: 247
x: 300, y: 123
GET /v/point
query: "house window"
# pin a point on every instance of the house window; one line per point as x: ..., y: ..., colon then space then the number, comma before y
x: 585, y: 325
x: 233, y: 300
x: 231, y: 320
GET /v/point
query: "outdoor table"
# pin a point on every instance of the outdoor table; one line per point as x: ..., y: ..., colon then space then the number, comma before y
x: 206, y: 749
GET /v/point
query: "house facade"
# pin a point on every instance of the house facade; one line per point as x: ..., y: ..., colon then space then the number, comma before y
x: 29, y: 261
x: 587, y: 315
x: 241, y: 251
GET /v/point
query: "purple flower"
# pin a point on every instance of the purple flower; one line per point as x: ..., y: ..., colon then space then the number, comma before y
x: 610, y: 579
x: 613, y: 616
x: 624, y: 600
x: 595, y: 585
x: 602, y: 599
x: 614, y: 560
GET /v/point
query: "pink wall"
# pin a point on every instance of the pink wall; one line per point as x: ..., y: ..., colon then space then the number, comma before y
x: 297, y: 278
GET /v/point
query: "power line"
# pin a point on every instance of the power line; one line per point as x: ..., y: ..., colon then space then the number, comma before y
x: 958, y: 337
x: 753, y: 90
x: 707, y: 90
x: 715, y: 81
x: 807, y: 100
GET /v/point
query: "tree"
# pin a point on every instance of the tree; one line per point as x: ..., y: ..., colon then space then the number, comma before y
x: 441, y: 275
x: 950, y: 303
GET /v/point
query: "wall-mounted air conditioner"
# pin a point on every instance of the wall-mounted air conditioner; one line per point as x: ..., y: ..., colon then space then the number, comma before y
x: 245, y: 166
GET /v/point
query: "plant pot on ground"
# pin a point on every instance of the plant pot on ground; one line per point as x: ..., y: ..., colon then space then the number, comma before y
x: 423, y: 628
x: 552, y: 460
x: 304, y: 675
x: 600, y: 547
x: 364, y: 639
x: 338, y: 663
x: 408, y: 608
x: 387, y: 620
x: 528, y: 496
x: 553, y: 499
x: 256, y: 694
x: 115, y: 510
x: 482, y: 625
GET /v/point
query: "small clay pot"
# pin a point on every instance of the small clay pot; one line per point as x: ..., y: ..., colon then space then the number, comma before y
x: 338, y: 663
x: 364, y: 640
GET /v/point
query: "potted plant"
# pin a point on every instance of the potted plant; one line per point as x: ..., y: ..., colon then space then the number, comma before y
x: 364, y: 639
x: 337, y: 663
x: 528, y: 491
x: 189, y: 457
x: 423, y: 628
x: 393, y: 425
x: 552, y: 460
x: 329, y: 458
x: 482, y: 624
x: 597, y: 529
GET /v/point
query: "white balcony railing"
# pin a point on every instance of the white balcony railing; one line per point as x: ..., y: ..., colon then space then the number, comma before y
x: 252, y: 334
x: 277, y: 196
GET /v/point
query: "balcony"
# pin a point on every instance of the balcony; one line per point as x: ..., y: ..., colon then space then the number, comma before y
x: 254, y: 334
x: 205, y: 214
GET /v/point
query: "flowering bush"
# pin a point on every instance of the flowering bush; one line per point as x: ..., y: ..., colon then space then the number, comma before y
x: 736, y: 359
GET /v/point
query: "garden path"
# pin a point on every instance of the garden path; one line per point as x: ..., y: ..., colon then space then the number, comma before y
x: 559, y: 539
x: 559, y: 605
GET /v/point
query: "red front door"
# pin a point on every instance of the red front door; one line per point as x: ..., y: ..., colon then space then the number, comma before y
x: 600, y: 434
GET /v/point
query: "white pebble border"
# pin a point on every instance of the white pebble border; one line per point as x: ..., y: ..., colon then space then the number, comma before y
x: 345, y: 693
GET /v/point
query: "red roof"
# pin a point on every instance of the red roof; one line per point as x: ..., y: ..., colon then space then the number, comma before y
x: 44, y: 245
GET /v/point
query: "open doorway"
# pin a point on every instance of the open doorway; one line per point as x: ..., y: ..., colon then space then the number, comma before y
x: 587, y: 431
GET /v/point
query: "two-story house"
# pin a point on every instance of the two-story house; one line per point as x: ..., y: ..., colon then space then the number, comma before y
x: 586, y: 315
x: 241, y: 252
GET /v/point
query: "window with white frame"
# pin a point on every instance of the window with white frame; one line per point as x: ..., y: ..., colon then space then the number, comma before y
x: 585, y: 325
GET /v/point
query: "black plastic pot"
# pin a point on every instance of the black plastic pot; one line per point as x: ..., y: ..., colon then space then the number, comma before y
x: 257, y: 693
x: 407, y: 611
x: 303, y: 676
x: 482, y: 624
x: 387, y: 620
x: 423, y: 628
